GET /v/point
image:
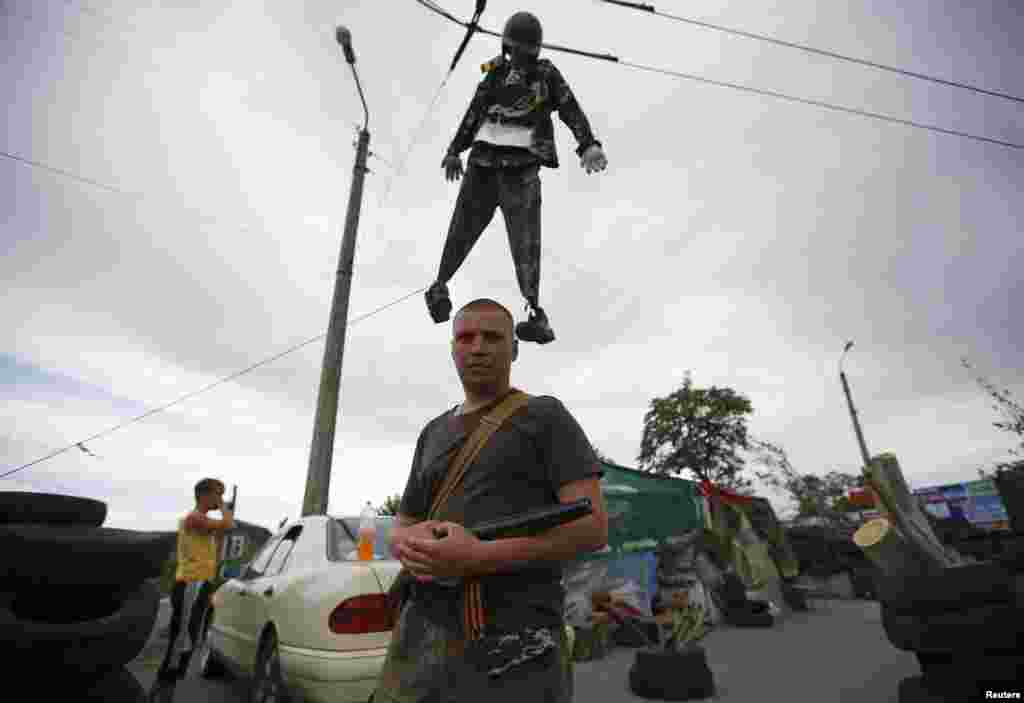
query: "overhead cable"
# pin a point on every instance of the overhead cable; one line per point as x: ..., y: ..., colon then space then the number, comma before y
x: 750, y: 89
x: 206, y: 388
x: 644, y: 7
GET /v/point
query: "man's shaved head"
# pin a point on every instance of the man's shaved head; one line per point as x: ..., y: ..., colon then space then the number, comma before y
x: 488, y: 304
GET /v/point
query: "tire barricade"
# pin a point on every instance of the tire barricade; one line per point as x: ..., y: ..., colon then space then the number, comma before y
x: 76, y: 595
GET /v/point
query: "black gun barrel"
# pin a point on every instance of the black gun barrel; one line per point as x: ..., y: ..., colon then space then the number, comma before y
x: 532, y: 522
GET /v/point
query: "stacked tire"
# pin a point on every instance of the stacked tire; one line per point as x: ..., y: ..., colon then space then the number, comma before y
x: 965, y: 625
x: 672, y: 676
x: 77, y: 598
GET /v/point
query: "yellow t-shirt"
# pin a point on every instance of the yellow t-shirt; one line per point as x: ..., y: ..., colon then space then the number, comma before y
x: 197, y: 554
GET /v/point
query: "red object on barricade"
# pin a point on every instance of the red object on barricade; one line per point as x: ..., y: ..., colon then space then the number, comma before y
x: 710, y: 490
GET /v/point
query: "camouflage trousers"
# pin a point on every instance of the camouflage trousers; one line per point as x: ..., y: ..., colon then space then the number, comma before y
x: 483, y: 190
x: 428, y: 662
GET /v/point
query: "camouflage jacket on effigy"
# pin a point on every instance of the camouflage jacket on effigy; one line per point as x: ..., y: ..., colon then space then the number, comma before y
x: 526, y: 97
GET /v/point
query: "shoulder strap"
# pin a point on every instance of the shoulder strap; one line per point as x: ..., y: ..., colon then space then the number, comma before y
x: 489, y: 424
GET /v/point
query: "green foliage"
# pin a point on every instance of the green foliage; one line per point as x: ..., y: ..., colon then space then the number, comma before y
x: 688, y: 627
x: 390, y: 506
x: 815, y: 496
x: 700, y: 430
x: 1013, y: 419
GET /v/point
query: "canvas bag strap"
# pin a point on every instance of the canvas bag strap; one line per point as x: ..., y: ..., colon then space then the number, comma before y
x: 489, y: 424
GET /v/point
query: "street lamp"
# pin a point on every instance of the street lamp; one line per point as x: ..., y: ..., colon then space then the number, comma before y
x: 853, y: 411
x: 318, y: 478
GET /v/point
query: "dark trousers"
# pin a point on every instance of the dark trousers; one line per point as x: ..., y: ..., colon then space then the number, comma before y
x: 427, y: 662
x: 483, y: 190
x: 195, y: 620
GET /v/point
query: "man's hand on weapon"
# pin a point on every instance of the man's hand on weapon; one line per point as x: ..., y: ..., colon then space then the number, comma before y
x: 452, y: 166
x: 421, y: 530
x: 454, y: 555
x: 594, y: 159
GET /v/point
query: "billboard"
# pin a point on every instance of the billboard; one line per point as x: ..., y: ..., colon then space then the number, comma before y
x: 978, y: 502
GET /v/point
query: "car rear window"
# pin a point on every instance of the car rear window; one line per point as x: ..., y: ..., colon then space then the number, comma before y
x: 344, y: 546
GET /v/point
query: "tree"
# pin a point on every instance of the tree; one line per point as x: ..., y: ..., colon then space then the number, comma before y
x: 700, y: 430
x: 1013, y: 417
x: 815, y: 496
x: 390, y: 506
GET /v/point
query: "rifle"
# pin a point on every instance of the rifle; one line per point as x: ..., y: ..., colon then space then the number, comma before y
x: 532, y: 522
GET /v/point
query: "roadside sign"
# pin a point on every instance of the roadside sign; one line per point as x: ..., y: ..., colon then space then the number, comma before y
x: 235, y: 543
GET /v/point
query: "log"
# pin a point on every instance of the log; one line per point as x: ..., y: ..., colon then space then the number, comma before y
x: 902, y: 511
x: 883, y: 545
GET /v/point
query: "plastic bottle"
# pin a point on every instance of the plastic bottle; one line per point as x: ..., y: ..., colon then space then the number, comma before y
x: 367, y: 532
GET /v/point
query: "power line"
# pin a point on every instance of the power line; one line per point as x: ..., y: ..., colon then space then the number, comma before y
x: 818, y: 103
x: 208, y: 387
x: 679, y: 74
x: 137, y: 195
x: 644, y: 7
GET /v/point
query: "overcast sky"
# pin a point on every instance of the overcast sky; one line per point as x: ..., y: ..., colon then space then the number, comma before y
x: 740, y: 236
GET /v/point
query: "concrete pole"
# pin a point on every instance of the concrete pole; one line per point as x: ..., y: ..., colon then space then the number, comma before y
x: 853, y: 411
x: 318, y: 478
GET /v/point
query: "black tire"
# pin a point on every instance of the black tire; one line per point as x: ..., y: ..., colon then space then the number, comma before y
x: 733, y: 592
x: 916, y: 689
x: 671, y: 676
x: 43, y: 555
x: 50, y: 509
x: 864, y: 580
x: 632, y: 631
x: 115, y: 686
x: 750, y: 616
x: 988, y: 627
x: 955, y: 589
x: 795, y: 598
x: 267, y: 672
x: 207, y: 663
x: 87, y: 647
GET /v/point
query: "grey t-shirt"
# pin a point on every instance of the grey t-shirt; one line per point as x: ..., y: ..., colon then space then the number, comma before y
x: 523, y: 466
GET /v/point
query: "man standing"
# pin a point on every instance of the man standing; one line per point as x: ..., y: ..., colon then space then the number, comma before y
x: 199, y: 537
x: 499, y: 634
x: 508, y: 125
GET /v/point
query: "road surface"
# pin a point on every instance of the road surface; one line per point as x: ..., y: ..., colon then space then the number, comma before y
x: 836, y: 653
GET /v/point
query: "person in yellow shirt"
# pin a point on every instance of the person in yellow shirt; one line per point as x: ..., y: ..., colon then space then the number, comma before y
x: 199, y: 537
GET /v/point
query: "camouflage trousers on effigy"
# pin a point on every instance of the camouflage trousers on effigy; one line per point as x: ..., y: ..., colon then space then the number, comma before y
x: 517, y: 192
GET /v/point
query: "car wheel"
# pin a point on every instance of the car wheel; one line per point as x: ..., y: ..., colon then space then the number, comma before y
x: 46, y: 555
x: 207, y: 662
x: 267, y: 684
x: 50, y: 509
x: 88, y: 646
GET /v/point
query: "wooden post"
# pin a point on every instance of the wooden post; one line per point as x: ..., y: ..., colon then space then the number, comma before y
x: 884, y: 547
x: 902, y: 511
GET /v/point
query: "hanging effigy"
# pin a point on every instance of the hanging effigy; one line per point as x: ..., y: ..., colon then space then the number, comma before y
x: 510, y: 134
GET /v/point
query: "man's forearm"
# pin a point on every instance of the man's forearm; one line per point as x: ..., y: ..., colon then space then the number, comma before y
x: 560, y: 544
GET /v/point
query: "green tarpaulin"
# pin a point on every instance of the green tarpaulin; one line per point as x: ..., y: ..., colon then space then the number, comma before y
x: 644, y: 509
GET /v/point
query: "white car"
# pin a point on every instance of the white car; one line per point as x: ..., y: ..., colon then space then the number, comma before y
x: 306, y: 620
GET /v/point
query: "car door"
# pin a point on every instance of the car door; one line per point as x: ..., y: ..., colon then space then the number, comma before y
x: 261, y: 588
x: 237, y: 616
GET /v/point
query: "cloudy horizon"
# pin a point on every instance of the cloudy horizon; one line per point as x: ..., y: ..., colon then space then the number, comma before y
x: 741, y: 237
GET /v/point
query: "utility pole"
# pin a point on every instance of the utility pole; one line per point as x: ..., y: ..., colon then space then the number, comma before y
x: 318, y: 478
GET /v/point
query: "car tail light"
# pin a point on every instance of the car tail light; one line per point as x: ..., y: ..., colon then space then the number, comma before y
x: 361, y: 615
